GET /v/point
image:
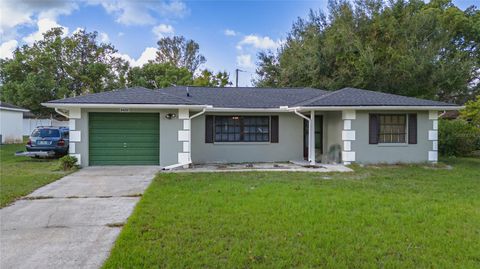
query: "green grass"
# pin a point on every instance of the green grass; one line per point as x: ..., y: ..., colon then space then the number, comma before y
x: 390, y: 217
x: 20, y: 176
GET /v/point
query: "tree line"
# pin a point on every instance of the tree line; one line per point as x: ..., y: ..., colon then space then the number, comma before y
x: 426, y: 50
x: 61, y: 66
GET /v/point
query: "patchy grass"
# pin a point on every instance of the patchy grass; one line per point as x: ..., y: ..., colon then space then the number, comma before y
x: 20, y: 176
x: 407, y: 217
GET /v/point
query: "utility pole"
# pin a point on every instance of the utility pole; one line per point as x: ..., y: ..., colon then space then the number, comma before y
x: 236, y: 76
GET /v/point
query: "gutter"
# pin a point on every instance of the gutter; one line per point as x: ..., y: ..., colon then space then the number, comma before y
x: 153, y: 106
x: 61, y: 113
x: 337, y: 108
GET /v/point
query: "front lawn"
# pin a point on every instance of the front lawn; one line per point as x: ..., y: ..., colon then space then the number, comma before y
x: 408, y: 217
x: 20, y: 176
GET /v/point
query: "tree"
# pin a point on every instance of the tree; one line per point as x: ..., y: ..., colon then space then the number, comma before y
x: 57, y: 67
x: 159, y: 75
x: 402, y: 47
x: 180, y: 53
x: 208, y: 79
x: 472, y: 111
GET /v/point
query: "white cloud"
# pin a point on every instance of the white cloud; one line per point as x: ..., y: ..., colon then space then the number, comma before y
x: 7, y: 48
x: 260, y: 42
x: 245, y: 61
x: 22, y: 12
x: 121, y: 34
x: 130, y: 12
x: 163, y: 30
x: 103, y: 37
x: 43, y: 26
x: 229, y: 32
x: 148, y: 54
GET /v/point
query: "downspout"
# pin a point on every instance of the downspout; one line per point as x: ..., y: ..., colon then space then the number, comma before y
x: 311, y: 158
x: 170, y: 167
x: 61, y: 113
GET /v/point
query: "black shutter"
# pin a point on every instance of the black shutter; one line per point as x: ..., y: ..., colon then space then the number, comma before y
x: 274, y: 129
x: 412, y: 128
x: 374, y: 128
x: 209, y: 129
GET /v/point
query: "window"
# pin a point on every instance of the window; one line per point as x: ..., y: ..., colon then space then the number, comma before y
x: 242, y: 128
x: 45, y: 132
x: 393, y: 128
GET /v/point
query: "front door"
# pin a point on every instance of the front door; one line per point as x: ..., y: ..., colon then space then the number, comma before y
x: 318, y: 136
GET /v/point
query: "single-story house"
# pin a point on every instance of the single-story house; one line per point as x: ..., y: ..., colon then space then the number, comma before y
x: 11, y: 123
x: 177, y: 126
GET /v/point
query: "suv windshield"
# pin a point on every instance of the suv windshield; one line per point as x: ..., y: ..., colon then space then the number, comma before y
x: 46, y: 133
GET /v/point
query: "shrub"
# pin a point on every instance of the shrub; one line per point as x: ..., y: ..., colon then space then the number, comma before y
x: 457, y: 138
x: 67, y: 162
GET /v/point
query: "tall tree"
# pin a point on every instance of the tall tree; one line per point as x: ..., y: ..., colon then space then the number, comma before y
x: 180, y: 53
x: 57, y: 67
x: 403, y: 47
x: 208, y: 79
x: 159, y: 75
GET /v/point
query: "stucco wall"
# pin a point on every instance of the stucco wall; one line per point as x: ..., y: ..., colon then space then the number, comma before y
x: 391, y: 153
x: 290, y: 146
x: 11, y: 124
x: 169, y: 144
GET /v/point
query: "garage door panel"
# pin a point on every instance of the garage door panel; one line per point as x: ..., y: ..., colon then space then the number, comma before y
x: 124, y: 138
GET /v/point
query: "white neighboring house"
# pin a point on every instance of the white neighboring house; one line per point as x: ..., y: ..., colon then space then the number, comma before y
x: 31, y: 121
x: 11, y: 123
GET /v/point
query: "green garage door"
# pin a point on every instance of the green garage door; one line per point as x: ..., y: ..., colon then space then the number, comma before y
x: 124, y: 138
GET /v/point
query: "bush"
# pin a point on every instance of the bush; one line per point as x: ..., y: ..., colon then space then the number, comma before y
x: 457, y: 138
x: 67, y: 162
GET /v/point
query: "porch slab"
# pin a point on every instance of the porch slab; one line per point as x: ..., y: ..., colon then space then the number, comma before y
x: 293, y: 166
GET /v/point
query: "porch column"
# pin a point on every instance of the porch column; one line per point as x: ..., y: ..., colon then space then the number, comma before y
x: 348, y: 136
x: 311, y: 138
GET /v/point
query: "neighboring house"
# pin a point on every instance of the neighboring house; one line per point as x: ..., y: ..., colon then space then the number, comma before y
x: 11, y: 123
x: 32, y: 121
x: 180, y: 125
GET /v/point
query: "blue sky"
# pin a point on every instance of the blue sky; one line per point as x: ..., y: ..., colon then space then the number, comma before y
x: 230, y: 33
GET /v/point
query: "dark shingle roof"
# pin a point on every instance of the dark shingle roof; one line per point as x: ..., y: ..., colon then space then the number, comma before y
x: 246, y: 97
x: 358, y: 97
x: 136, y: 95
x: 7, y: 105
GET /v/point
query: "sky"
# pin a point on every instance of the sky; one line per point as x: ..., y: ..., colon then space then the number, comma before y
x: 230, y: 32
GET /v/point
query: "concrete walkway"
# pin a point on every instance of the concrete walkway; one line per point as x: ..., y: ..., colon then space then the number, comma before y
x: 73, y: 222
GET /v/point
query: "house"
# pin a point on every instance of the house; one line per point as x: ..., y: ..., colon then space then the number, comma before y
x: 11, y: 123
x: 32, y: 121
x: 179, y: 125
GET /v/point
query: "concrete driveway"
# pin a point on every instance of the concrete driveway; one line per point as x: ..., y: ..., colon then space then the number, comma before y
x: 73, y: 222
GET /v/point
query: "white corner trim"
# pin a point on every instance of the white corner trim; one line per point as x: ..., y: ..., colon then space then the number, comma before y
x: 435, y: 145
x: 186, y: 146
x: 79, y: 158
x: 183, y: 157
x: 348, y: 156
x: 349, y: 115
x: 183, y: 114
x: 75, y: 136
x: 435, y: 124
x: 433, y: 115
x: 71, y: 148
x: 348, y: 135
x: 347, y: 163
x: 433, y: 156
x: 75, y: 113
x: 347, y: 124
x: 186, y: 124
x: 71, y: 124
x: 183, y: 135
x: 347, y: 145
x: 432, y: 135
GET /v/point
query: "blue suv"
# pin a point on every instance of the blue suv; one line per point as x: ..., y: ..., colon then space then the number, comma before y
x: 49, y: 139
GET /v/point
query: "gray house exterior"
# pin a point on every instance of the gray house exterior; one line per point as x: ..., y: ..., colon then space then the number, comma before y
x: 177, y: 126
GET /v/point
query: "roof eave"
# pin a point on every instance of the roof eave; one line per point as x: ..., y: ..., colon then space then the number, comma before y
x: 100, y: 105
x: 336, y: 108
x: 14, y: 109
